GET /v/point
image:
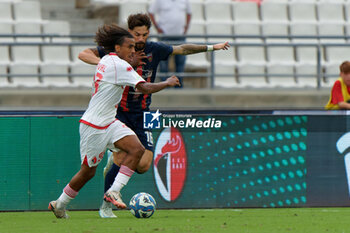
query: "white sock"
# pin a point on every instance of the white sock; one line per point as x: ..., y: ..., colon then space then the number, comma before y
x: 121, y: 179
x: 67, y: 195
x: 63, y: 200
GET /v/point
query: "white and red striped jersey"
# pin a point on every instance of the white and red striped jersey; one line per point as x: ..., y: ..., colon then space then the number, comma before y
x: 111, y: 76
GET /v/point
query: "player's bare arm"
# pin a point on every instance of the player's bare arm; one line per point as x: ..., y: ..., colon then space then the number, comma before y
x: 149, y: 88
x: 90, y: 56
x: 186, y: 49
x: 344, y: 105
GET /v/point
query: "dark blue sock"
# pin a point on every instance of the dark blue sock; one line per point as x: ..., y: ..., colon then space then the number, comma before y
x: 110, y: 176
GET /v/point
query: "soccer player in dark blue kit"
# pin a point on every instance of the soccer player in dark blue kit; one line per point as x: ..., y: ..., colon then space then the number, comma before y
x: 133, y: 103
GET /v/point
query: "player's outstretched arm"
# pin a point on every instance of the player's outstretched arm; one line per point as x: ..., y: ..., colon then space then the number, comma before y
x: 186, y: 49
x: 89, y: 56
x: 149, y: 88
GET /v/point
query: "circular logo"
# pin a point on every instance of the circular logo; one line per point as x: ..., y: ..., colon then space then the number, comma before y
x: 170, y: 163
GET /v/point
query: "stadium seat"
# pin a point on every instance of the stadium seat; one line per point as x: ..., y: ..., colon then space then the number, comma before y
x: 56, y: 60
x: 251, y: 75
x: 55, y: 54
x: 245, y: 12
x: 48, y: 71
x: 128, y: 7
x: 275, y: 29
x: 197, y: 11
x: 331, y: 74
x: 4, y: 54
x: 302, y: 11
x: 25, y: 54
x: 29, y: 28
x: 6, y: 28
x: 330, y: 11
x: 347, y: 31
x: 31, y: 75
x: 247, y: 29
x: 215, y: 28
x: 4, y: 82
x: 251, y: 64
x: 6, y: 11
x: 227, y: 81
x: 225, y: 64
x: 306, y: 56
x: 335, y: 55
x: 347, y: 12
x: 331, y: 29
x: 198, y: 60
x: 280, y: 61
x: 27, y: 11
x: 56, y: 28
x: 196, y: 29
x: 274, y: 11
x: 82, y: 73
x: 218, y: 10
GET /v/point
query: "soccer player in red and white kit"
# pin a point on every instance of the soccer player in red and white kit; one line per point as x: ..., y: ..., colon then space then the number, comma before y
x: 134, y: 104
x: 99, y: 129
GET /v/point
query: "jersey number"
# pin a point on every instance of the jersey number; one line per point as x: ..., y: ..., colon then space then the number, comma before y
x: 149, y: 137
x: 97, y: 81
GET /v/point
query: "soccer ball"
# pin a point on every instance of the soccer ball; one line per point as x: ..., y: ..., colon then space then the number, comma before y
x: 142, y: 205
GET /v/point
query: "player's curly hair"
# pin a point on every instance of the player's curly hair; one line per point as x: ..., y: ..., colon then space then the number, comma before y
x: 110, y: 35
x: 345, y: 67
x: 139, y: 20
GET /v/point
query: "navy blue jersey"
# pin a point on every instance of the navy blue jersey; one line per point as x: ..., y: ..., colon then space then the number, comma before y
x: 133, y: 101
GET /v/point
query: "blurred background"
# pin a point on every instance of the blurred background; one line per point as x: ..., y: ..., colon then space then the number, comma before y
x: 285, y: 54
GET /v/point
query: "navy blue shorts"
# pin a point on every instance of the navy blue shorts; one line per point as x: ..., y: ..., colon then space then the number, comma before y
x: 135, y: 122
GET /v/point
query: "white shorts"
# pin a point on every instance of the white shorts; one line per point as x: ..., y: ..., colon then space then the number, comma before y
x: 94, y: 142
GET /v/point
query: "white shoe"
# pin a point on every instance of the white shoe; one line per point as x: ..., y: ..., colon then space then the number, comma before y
x: 106, y: 210
x: 59, y: 213
x: 108, y: 164
x: 106, y: 213
x: 114, y: 198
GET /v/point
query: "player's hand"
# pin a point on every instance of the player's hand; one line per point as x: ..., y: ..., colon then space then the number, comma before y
x: 173, y: 81
x: 137, y: 59
x: 223, y: 46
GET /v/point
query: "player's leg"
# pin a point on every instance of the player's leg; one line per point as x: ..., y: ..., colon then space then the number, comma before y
x: 142, y: 167
x: 134, y: 151
x: 145, y: 136
x: 90, y: 150
x: 135, y: 122
x: 109, y: 163
x: 105, y: 210
x: 145, y: 162
x: 124, y: 139
x: 71, y: 190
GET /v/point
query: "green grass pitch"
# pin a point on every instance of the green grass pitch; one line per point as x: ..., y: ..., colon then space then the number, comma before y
x: 303, y: 220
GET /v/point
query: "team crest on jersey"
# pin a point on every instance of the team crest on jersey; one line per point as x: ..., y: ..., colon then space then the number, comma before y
x: 150, y: 57
x: 129, y: 68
